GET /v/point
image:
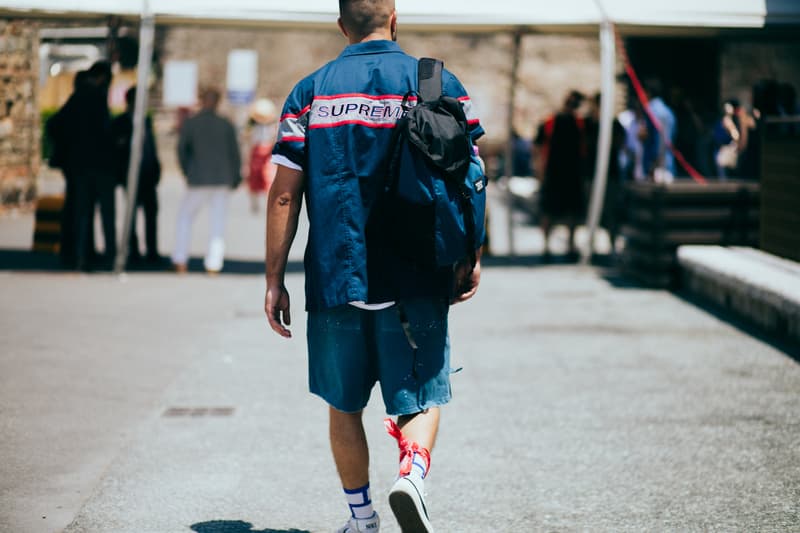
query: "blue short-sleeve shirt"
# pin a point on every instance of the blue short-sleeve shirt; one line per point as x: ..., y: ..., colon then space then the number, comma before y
x: 336, y: 126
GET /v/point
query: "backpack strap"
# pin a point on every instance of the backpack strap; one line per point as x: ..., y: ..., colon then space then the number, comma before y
x: 429, y: 79
x: 429, y: 88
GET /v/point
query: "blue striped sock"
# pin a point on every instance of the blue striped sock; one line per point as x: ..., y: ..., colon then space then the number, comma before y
x: 360, y: 502
x: 418, y: 465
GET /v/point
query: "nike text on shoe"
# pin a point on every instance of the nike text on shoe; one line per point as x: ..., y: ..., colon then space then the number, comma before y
x: 408, y: 504
x: 362, y: 525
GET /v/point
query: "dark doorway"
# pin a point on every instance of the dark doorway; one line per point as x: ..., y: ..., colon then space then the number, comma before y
x: 689, y: 71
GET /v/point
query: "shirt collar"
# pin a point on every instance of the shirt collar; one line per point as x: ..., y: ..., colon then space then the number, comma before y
x: 370, y: 47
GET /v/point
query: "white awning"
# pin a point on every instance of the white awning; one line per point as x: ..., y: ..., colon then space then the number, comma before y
x: 464, y: 15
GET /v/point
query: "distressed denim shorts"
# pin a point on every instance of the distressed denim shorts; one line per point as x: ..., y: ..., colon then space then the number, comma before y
x: 349, y: 349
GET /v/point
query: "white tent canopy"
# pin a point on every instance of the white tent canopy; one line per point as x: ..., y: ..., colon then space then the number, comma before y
x: 465, y: 15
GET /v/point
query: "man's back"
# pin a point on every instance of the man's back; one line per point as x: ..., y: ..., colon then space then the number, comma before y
x: 208, y: 150
x: 337, y: 126
x: 84, y: 130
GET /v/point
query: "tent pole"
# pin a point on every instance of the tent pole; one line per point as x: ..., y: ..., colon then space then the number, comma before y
x: 509, y: 152
x: 607, y: 66
x: 146, y: 37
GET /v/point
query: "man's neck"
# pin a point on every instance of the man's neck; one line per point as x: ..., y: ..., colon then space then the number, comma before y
x: 381, y: 35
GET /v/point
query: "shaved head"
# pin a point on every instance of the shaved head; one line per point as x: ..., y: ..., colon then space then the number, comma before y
x: 361, y: 18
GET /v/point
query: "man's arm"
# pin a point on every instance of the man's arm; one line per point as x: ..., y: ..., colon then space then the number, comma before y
x: 236, y: 156
x: 283, y: 211
x: 184, y: 149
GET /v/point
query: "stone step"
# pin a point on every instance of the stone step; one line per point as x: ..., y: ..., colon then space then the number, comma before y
x: 760, y: 287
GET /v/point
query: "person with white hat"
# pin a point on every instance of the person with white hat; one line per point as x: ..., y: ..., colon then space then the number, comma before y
x: 263, y: 119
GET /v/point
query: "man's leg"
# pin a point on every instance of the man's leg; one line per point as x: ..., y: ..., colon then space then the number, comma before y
x: 351, y: 454
x: 421, y: 427
x: 215, y: 256
x: 134, y: 254
x: 106, y: 190
x: 190, y: 204
x: 416, y: 435
x: 341, y: 373
x: 545, y: 222
x: 83, y: 221
x: 415, y: 381
x: 150, y: 205
x: 349, y: 447
x: 573, y: 223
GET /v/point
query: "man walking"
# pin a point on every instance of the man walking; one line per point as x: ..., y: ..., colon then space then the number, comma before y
x: 209, y: 157
x: 334, y: 134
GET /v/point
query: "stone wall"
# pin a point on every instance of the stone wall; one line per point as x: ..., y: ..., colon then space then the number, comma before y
x: 550, y: 65
x: 19, y: 115
x: 746, y: 61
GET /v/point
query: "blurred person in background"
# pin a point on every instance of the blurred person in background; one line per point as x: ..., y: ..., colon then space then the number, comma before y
x: 208, y: 152
x: 731, y: 134
x: 85, y: 152
x: 149, y: 176
x: 658, y: 159
x: 263, y: 118
x: 632, y: 156
x: 59, y: 140
x: 613, y: 203
x: 559, y: 159
x: 521, y: 155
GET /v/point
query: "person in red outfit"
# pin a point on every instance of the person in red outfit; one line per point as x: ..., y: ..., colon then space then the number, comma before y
x: 263, y: 119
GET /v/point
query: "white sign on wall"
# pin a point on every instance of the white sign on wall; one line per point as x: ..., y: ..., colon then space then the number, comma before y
x: 242, y: 76
x: 180, y: 83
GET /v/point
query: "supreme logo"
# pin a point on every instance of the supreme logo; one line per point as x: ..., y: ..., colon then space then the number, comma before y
x: 367, y: 110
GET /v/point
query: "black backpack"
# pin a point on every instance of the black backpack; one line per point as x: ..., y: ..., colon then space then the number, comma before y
x: 434, y: 198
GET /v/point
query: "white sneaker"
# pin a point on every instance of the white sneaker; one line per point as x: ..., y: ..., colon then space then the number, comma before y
x: 362, y: 525
x: 407, y: 499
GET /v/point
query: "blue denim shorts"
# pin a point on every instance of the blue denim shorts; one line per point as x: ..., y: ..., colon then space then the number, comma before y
x: 349, y: 349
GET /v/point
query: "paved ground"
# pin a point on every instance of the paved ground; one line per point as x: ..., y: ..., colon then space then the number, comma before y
x: 154, y: 403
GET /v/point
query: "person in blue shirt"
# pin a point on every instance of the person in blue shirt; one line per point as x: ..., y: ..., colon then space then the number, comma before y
x: 334, y: 134
x: 658, y: 158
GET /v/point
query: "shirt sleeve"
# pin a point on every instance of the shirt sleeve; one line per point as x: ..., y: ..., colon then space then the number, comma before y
x: 290, y: 145
x: 452, y: 87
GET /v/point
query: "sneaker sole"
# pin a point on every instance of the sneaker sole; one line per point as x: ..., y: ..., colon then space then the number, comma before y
x: 408, y: 507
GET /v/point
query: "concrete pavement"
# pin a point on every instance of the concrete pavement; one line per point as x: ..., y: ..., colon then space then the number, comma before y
x: 156, y: 403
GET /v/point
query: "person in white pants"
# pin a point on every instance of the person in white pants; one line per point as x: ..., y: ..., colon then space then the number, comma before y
x: 209, y: 155
x: 194, y: 199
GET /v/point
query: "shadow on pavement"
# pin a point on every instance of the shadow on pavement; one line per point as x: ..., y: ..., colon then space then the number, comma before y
x: 32, y: 261
x: 540, y: 260
x: 783, y: 344
x: 236, y: 526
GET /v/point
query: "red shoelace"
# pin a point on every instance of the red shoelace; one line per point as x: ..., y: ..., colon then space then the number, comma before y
x: 407, y: 449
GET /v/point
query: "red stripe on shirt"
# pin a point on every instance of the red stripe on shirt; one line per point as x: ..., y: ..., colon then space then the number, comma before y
x: 298, y: 115
x: 361, y: 95
x: 346, y: 122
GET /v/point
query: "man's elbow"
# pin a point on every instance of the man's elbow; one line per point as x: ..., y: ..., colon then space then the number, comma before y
x: 283, y: 197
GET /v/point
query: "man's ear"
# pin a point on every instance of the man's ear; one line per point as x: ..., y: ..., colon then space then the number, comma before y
x: 393, y: 25
x: 341, y: 27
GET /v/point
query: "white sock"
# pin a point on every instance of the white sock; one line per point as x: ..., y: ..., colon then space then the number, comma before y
x: 360, y: 502
x: 418, y: 465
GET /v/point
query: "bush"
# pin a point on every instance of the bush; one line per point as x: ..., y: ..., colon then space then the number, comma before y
x: 47, y: 144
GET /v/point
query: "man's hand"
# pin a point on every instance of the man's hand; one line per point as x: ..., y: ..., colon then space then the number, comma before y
x: 466, y: 282
x: 276, y: 306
